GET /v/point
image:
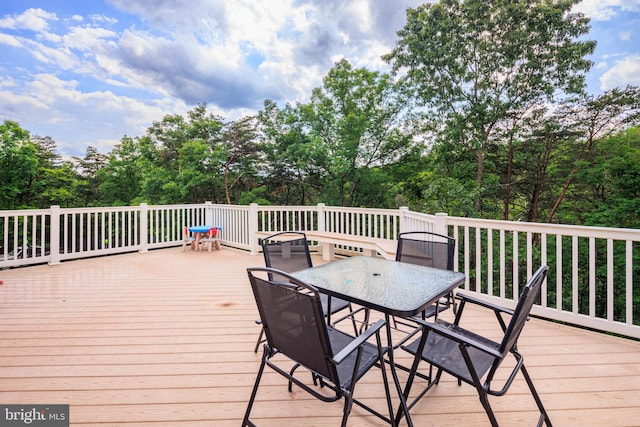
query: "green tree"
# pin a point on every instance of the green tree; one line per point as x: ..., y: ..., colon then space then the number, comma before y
x: 240, y: 156
x: 606, y: 192
x: 55, y: 181
x: 593, y: 120
x: 290, y: 166
x: 358, y: 116
x: 176, y: 157
x: 200, y: 172
x: 121, y: 178
x: 88, y: 168
x: 480, y: 66
x: 18, y: 164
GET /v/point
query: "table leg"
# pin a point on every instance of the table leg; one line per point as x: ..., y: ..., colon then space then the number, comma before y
x: 394, y: 374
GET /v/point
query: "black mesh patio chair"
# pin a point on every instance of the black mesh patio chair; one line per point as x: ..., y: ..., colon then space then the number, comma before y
x: 470, y: 357
x: 429, y: 250
x: 299, y: 337
x: 289, y: 251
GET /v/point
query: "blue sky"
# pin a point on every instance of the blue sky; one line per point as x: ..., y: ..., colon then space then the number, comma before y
x: 90, y: 72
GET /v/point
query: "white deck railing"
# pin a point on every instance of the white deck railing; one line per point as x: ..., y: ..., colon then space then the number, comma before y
x: 593, y: 279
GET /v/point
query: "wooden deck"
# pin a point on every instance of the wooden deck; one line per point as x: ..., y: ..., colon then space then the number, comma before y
x: 166, y: 338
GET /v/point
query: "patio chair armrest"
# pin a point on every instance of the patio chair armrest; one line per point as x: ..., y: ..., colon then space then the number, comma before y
x: 449, y: 331
x: 358, y: 341
x: 473, y: 300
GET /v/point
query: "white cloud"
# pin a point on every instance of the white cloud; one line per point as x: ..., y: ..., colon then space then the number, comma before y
x: 361, y: 9
x: 102, y: 18
x: 87, y: 38
x: 55, y: 56
x: 624, y: 72
x: 101, y: 116
x: 9, y: 40
x: 604, y: 10
x: 31, y: 19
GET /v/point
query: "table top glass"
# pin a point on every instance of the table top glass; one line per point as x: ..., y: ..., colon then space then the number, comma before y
x: 393, y: 287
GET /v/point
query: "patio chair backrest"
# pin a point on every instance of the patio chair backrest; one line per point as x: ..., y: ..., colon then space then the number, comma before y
x: 293, y: 320
x: 287, y: 251
x: 426, y: 248
x: 523, y: 308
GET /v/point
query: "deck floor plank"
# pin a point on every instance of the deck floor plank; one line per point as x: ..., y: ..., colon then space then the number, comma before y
x: 166, y: 338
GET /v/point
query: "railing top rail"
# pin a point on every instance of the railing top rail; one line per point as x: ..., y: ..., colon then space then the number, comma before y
x: 355, y: 209
x: 101, y: 209
x: 412, y: 214
x: 24, y: 212
x: 326, y: 208
x: 560, y: 229
x: 286, y: 208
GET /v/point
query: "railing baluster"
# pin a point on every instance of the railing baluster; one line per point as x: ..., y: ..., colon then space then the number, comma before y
x: 629, y: 283
x: 592, y: 277
x: 610, y: 297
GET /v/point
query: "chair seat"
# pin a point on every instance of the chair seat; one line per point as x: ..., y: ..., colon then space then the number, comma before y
x: 337, y: 304
x: 445, y: 353
x: 340, y: 340
x: 436, y: 308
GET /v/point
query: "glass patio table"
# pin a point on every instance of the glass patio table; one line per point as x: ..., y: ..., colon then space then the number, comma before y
x: 390, y: 287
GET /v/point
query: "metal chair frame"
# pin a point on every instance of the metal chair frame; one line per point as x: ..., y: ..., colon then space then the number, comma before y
x: 296, y: 247
x: 470, y: 357
x: 430, y: 250
x: 295, y: 328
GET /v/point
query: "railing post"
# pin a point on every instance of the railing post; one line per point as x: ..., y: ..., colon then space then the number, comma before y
x: 54, y: 237
x: 208, y: 213
x: 328, y: 249
x: 144, y: 227
x: 403, y: 218
x: 321, y: 224
x: 253, y: 228
x: 440, y: 224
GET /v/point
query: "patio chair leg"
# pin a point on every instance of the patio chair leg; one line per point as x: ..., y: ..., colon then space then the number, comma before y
x: 543, y: 412
x: 348, y: 404
x: 255, y: 350
x: 484, y: 399
x: 387, y: 392
x: 246, y: 421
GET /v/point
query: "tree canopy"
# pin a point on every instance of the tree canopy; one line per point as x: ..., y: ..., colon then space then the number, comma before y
x: 482, y: 67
